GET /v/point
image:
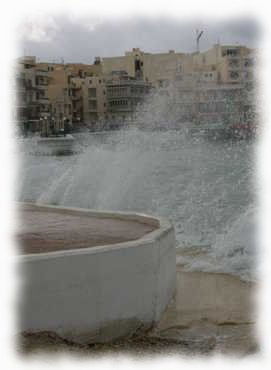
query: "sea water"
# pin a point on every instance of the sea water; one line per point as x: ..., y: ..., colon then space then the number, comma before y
x: 205, y: 187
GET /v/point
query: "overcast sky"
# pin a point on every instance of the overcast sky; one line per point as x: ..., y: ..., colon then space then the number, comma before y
x: 81, y: 39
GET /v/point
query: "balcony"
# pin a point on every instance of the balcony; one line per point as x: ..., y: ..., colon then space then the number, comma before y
x: 234, y: 76
x: 43, y: 100
x: 75, y: 98
x: 42, y: 86
x: 41, y: 73
x: 234, y: 63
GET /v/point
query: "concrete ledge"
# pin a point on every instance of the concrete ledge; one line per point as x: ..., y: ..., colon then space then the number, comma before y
x: 100, y: 293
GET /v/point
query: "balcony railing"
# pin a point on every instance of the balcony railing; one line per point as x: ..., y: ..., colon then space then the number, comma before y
x: 41, y: 73
x: 43, y: 100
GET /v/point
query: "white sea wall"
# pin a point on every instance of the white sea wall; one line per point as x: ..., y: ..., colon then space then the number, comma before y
x: 100, y: 293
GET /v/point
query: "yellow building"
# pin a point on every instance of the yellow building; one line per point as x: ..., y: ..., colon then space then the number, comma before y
x: 94, y: 101
x: 224, y: 63
x: 67, y: 93
x: 233, y: 63
x: 152, y: 68
x: 110, y: 88
x: 124, y: 94
x: 59, y: 93
x: 32, y: 90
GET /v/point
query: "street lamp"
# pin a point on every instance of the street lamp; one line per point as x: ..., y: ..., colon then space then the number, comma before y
x: 53, y: 125
x: 46, y: 126
x: 41, y: 122
x: 63, y: 129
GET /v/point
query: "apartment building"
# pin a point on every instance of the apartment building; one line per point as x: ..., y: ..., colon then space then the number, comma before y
x: 152, y: 68
x: 212, y: 85
x: 19, y: 87
x: 124, y: 94
x: 234, y: 63
x: 207, y: 102
x: 32, y: 90
x: 94, y: 103
x: 68, y: 94
x: 77, y: 101
x: 59, y: 92
x: 83, y: 70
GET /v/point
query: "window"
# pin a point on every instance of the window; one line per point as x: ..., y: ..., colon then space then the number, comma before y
x: 231, y: 52
x: 137, y: 65
x: 92, y: 104
x: 248, y: 75
x: 234, y: 63
x: 220, y: 106
x: 234, y: 75
x: 248, y: 63
x: 92, y: 92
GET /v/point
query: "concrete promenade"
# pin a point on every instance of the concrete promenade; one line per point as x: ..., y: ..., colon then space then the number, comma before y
x: 93, y: 276
x: 211, y: 313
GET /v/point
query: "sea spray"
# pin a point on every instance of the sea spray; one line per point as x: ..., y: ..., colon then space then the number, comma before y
x: 204, y: 187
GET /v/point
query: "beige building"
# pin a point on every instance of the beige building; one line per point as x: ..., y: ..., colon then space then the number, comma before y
x: 68, y: 94
x: 111, y: 88
x: 233, y: 63
x: 77, y: 101
x: 64, y: 92
x: 32, y: 90
x: 85, y: 70
x: 124, y: 94
x: 59, y: 93
x: 94, y: 101
x: 153, y: 68
x: 224, y: 63
x: 204, y: 101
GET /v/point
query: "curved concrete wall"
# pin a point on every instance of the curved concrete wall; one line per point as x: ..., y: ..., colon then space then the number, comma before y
x: 100, y: 293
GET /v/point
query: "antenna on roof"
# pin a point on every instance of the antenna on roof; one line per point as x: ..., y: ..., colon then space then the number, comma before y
x: 198, y: 34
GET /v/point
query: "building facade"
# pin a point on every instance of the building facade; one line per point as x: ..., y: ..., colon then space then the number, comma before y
x: 210, y: 86
x: 152, y: 68
x: 124, y: 95
x: 94, y: 102
x: 32, y: 94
